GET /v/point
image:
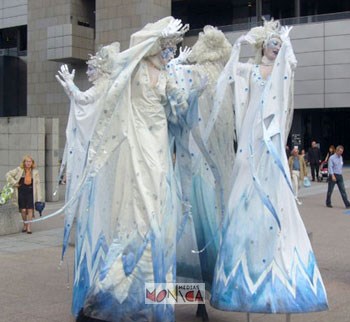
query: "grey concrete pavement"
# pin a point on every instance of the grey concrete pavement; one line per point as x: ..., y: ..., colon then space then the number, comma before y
x: 34, y: 287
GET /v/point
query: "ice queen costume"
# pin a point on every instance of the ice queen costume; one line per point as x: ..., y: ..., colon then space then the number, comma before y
x: 265, y: 262
x: 205, y: 155
x: 128, y: 200
x: 85, y: 109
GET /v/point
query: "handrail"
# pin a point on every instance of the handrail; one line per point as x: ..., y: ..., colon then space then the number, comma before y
x: 12, y: 52
x: 284, y: 21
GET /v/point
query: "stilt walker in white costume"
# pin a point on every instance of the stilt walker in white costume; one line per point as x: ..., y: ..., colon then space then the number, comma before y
x: 265, y: 262
x: 128, y: 200
x: 85, y: 109
x: 211, y: 171
x: 205, y: 154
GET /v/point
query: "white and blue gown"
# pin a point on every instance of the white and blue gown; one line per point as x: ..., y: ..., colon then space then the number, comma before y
x: 128, y: 198
x: 265, y: 262
x: 140, y: 251
x: 85, y: 108
x: 205, y: 154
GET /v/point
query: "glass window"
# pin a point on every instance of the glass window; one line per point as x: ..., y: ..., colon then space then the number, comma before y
x: 199, y: 13
x: 14, y: 38
x: 316, y: 7
x: 278, y: 9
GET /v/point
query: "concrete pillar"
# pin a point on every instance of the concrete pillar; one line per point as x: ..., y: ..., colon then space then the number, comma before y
x: 297, y: 8
x: 258, y: 10
x: 51, y: 159
x: 10, y: 219
x: 45, y: 96
x: 116, y: 20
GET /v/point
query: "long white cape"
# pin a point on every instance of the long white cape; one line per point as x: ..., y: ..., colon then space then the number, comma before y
x: 127, y: 198
x: 265, y: 263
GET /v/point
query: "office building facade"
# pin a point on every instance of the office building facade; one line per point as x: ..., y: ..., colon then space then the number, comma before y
x: 37, y: 36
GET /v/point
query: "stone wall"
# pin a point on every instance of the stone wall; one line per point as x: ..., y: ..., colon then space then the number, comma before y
x: 13, y: 13
x: 34, y: 136
x: 45, y: 95
x: 116, y: 20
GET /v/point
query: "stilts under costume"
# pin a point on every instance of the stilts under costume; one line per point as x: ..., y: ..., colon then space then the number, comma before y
x: 265, y: 263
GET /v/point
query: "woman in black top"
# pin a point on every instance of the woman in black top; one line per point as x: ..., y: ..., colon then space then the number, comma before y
x: 27, y: 181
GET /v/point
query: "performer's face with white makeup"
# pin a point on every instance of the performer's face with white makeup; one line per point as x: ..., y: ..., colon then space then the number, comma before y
x: 92, y: 73
x: 272, y: 48
x: 167, y: 54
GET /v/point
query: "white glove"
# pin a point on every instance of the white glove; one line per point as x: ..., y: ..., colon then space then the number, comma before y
x: 174, y: 28
x: 245, y: 38
x: 183, y: 55
x: 65, y: 78
x: 249, y: 39
x: 284, y: 34
x: 65, y: 74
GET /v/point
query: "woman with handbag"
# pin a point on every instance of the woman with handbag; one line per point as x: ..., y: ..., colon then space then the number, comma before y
x: 26, y: 180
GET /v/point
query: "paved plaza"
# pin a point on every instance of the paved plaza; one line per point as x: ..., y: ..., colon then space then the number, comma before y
x: 35, y: 287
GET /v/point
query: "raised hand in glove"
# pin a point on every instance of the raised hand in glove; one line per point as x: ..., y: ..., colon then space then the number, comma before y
x: 245, y: 38
x: 284, y: 33
x: 174, y: 28
x: 183, y: 55
x: 65, y: 78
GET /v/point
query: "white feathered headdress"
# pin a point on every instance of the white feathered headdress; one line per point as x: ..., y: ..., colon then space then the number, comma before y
x: 105, y: 57
x: 261, y: 35
x: 212, y: 45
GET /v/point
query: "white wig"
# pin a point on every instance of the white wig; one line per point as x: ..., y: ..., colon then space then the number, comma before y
x: 212, y: 45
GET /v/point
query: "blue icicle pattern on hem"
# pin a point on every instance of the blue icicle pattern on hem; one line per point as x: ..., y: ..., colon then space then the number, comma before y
x: 266, y: 263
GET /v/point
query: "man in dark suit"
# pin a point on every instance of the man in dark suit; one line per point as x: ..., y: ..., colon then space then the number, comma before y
x: 314, y: 158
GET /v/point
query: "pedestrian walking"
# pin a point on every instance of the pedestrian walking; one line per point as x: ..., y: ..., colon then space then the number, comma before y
x: 298, y: 171
x: 314, y: 158
x: 335, y: 176
x: 331, y: 151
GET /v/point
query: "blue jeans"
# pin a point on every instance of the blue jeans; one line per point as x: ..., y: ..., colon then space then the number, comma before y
x: 341, y: 187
